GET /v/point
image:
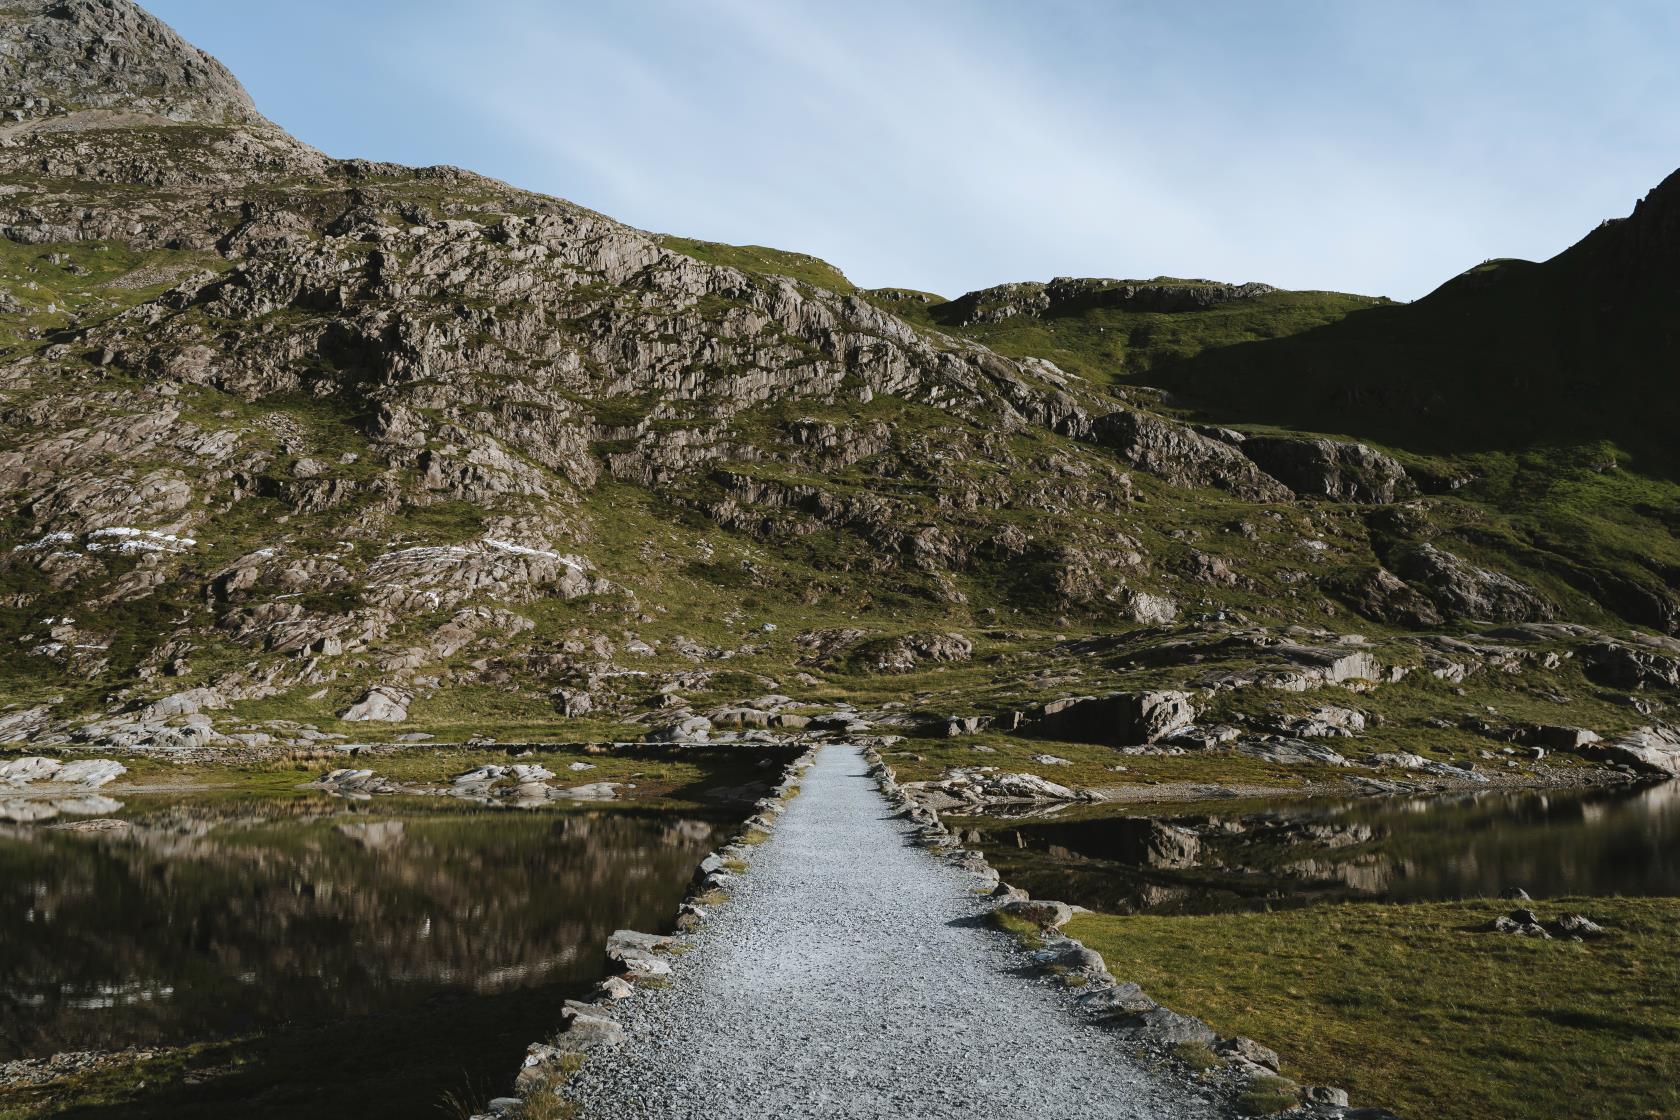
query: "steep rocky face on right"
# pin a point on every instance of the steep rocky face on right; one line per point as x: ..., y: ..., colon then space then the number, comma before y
x: 1574, y: 350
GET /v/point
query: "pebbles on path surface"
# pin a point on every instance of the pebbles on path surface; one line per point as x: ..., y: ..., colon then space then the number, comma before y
x: 851, y: 974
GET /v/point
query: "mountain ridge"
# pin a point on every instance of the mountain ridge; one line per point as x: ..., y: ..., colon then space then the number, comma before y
x: 296, y: 445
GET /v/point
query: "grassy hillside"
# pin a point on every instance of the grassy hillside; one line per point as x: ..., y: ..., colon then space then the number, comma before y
x: 1584, y: 347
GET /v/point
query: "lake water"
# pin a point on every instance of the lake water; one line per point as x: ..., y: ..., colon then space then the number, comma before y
x: 372, y: 957
x: 1251, y: 855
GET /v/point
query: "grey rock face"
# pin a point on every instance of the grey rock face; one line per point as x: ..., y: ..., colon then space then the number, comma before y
x: 983, y: 785
x: 689, y: 729
x: 1462, y: 590
x: 1380, y: 594
x: 1626, y: 666
x: 1118, y: 719
x: 381, y: 702
x: 1290, y: 752
x: 1326, y: 722
x: 1520, y: 921
x: 58, y: 56
x: 1406, y: 760
x: 1163, y: 1026
x: 188, y: 703
x: 1649, y: 750
x: 20, y: 725
x: 585, y: 1027
x: 1323, y: 468
x: 1250, y: 1051
x: 1555, y: 738
x: 904, y: 654
x: 22, y: 771
x: 89, y: 773
x: 1118, y: 1001
x: 1182, y: 456
x: 358, y: 784
x: 1578, y: 925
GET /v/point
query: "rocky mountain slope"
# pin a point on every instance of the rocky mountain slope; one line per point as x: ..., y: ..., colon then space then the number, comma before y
x: 298, y: 448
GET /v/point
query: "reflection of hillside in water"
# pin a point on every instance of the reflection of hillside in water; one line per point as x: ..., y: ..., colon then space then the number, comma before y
x: 197, y: 923
x: 27, y: 810
x: 1550, y: 843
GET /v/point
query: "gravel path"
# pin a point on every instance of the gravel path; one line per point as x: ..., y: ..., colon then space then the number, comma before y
x: 849, y: 976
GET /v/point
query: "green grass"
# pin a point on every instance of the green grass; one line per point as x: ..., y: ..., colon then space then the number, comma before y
x: 84, y: 281
x: 1109, y: 346
x: 926, y: 758
x: 1408, y: 1009
x: 1028, y: 933
x: 118, y: 1083
x: 763, y: 261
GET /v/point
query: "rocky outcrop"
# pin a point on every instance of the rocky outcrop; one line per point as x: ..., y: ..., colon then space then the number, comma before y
x: 1068, y: 295
x: 1181, y: 455
x: 1293, y: 667
x: 903, y: 653
x: 65, y: 56
x: 89, y: 773
x: 1652, y: 751
x: 1464, y: 591
x: 1326, y: 722
x: 1324, y: 468
x: 979, y: 786
x: 1118, y: 719
x: 382, y: 703
x: 1379, y: 594
x: 1633, y: 665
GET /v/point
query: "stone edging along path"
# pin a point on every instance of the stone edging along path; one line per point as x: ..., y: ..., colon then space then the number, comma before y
x: 832, y: 967
x: 1122, y: 1005
x: 641, y: 960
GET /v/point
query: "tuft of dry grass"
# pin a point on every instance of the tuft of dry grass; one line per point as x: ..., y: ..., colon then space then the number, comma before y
x: 542, y: 1101
x: 1198, y: 1056
x: 1266, y: 1096
x: 1029, y: 933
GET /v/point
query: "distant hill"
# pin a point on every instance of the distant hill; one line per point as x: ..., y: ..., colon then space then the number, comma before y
x: 1581, y: 348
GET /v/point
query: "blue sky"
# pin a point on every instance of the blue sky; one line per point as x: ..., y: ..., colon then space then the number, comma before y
x: 945, y: 145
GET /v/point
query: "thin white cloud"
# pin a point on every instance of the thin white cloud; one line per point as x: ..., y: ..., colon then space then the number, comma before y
x: 949, y: 145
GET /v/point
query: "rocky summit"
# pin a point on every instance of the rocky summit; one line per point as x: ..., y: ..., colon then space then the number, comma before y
x: 300, y: 449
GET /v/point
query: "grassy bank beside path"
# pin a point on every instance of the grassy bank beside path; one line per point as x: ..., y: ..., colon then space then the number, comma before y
x: 1408, y: 1008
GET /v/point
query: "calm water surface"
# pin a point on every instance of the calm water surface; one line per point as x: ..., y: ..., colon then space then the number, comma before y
x: 370, y: 957
x: 1249, y: 855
